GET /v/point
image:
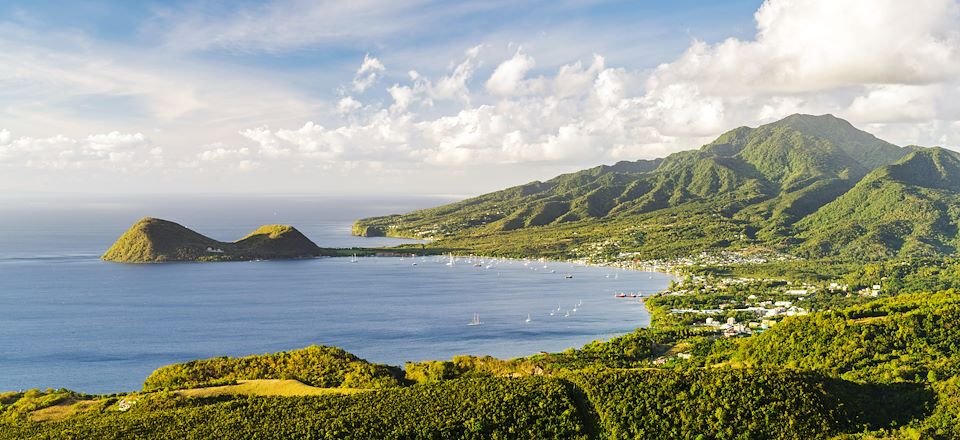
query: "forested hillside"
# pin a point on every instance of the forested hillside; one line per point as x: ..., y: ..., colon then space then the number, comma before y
x: 813, y: 186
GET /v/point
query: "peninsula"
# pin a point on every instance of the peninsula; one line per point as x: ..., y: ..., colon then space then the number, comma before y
x: 153, y: 240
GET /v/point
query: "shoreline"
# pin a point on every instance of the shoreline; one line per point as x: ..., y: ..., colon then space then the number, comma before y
x: 591, y: 283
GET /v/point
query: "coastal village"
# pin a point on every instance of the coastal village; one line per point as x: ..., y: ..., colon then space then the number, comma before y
x: 739, y: 315
x: 733, y: 306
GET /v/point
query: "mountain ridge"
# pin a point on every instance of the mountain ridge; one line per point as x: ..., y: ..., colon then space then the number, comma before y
x: 762, y: 186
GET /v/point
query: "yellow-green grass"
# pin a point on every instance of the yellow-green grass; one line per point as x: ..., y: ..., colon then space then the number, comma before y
x: 63, y: 410
x: 266, y: 387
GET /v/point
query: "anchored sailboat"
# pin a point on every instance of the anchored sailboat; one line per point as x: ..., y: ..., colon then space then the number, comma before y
x: 475, y: 320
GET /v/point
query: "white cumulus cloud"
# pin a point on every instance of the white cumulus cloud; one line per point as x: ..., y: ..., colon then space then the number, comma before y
x: 114, y: 150
x: 368, y: 73
x: 508, y: 78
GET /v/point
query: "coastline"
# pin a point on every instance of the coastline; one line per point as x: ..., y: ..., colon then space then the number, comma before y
x: 503, y: 316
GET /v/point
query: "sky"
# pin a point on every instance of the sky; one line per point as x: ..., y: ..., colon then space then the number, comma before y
x: 441, y: 97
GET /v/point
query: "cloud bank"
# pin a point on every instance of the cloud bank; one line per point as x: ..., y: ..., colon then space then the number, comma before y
x: 889, y: 66
x: 114, y: 150
x: 880, y: 63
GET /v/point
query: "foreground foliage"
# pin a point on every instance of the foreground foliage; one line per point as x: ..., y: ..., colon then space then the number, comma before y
x: 737, y: 403
x: 531, y: 408
x: 318, y: 366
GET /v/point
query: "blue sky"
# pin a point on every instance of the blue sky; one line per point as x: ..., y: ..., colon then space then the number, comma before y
x: 418, y: 96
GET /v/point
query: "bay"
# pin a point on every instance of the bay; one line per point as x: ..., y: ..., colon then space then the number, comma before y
x: 69, y: 320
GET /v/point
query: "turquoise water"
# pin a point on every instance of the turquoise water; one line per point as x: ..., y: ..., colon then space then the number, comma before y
x: 70, y: 320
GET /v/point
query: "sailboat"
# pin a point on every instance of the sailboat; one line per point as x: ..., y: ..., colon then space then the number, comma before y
x: 452, y: 260
x: 475, y: 320
x: 354, y: 259
x: 528, y: 319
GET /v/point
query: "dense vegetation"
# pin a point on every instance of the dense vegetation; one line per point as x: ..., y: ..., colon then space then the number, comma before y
x: 814, y: 186
x: 737, y: 403
x: 318, y: 366
x: 533, y: 408
x: 912, y: 337
x: 153, y: 240
x: 632, y: 350
x: 910, y: 208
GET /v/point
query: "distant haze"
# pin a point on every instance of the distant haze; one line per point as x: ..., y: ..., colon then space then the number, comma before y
x: 450, y: 98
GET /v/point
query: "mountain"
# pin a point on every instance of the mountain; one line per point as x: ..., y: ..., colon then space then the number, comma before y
x: 774, y: 186
x: 907, y: 208
x: 152, y: 240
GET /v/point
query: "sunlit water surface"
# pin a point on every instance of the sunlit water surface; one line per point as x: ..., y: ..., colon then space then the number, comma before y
x: 69, y: 320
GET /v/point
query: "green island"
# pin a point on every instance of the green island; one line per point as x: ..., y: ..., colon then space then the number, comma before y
x: 817, y: 296
x: 153, y: 240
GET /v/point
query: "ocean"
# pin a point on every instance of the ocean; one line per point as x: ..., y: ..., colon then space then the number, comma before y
x: 69, y: 320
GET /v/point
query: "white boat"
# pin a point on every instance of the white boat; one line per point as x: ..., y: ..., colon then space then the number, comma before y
x: 528, y: 318
x: 475, y: 320
x: 354, y: 259
x: 452, y: 260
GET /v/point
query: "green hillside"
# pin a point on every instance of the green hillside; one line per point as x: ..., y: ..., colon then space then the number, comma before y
x: 152, y: 240
x: 326, y: 367
x: 808, y: 185
x: 908, y: 208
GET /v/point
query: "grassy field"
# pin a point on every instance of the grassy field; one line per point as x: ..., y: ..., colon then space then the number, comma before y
x: 267, y: 387
x: 64, y: 409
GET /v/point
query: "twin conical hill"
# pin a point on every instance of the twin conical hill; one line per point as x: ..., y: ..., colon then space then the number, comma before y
x: 156, y: 240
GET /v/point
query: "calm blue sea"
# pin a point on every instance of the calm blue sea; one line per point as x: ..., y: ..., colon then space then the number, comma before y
x: 69, y: 320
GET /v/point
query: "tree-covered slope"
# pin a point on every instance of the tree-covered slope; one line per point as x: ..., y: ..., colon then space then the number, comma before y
x: 153, y: 240
x: 319, y: 366
x: 908, y: 208
x: 863, y: 147
x: 526, y: 408
x: 752, y: 186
